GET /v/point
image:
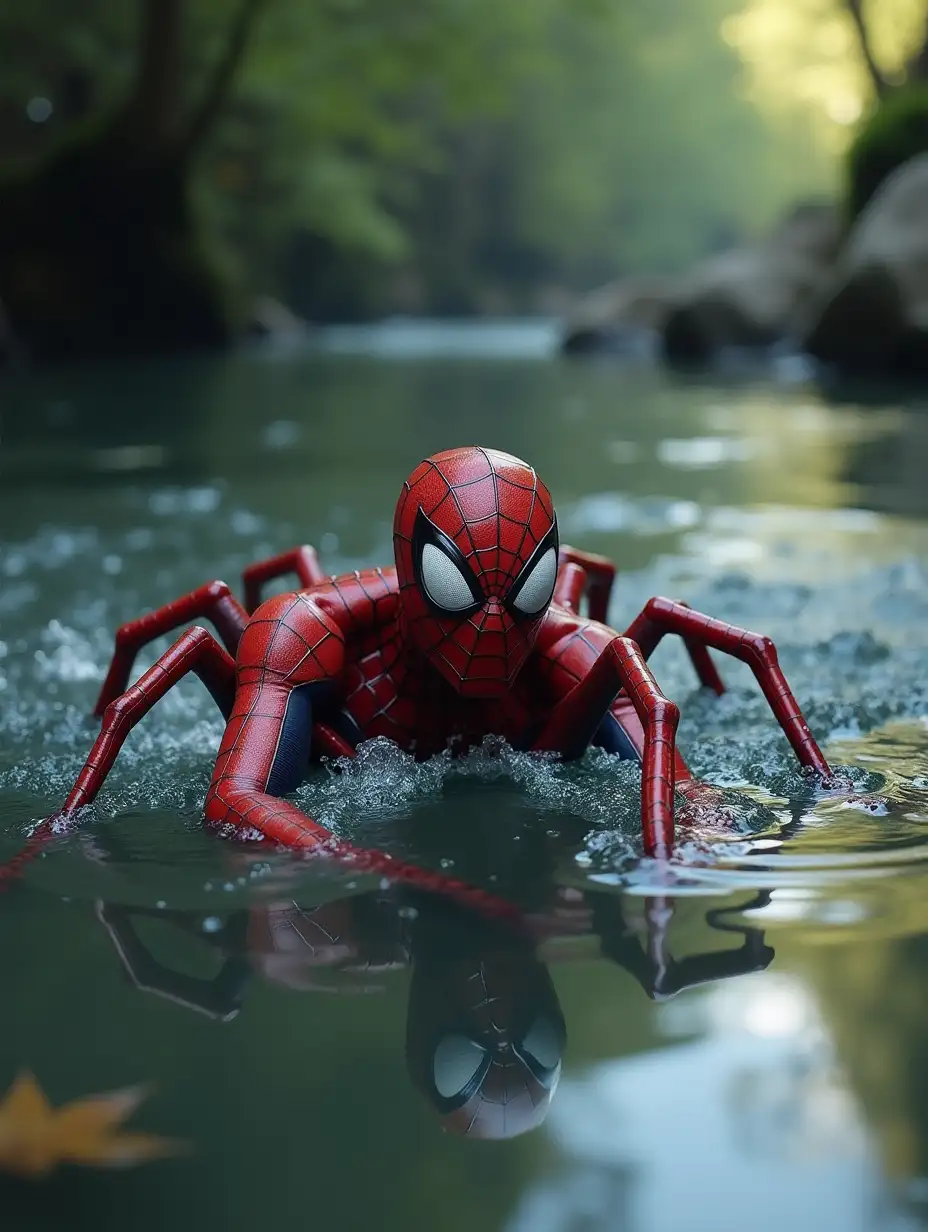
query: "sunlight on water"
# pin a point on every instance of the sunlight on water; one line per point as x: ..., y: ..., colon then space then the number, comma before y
x: 711, y: 1124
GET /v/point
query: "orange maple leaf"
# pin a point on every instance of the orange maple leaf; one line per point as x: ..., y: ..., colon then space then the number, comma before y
x: 35, y: 1137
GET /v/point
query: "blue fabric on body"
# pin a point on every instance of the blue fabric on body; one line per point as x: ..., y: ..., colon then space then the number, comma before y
x: 611, y: 736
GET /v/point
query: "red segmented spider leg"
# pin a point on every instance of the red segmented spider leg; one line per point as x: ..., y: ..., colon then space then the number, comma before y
x: 194, y: 651
x: 368, y: 861
x: 574, y: 720
x: 213, y: 602
x: 303, y: 561
x: 329, y: 743
x: 571, y: 585
x: 663, y: 616
x: 282, y: 822
x: 600, y: 574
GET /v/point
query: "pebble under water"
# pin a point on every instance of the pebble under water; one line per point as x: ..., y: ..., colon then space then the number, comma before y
x: 766, y: 507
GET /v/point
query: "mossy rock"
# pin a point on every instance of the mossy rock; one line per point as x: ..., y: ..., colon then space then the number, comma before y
x: 895, y: 132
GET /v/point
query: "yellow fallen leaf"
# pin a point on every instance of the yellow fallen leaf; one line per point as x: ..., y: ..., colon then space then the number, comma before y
x: 35, y: 1137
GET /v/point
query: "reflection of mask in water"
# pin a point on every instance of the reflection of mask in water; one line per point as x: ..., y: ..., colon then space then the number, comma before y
x: 484, y: 1040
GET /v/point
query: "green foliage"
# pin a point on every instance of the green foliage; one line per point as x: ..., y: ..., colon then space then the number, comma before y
x: 443, y: 155
x: 894, y: 132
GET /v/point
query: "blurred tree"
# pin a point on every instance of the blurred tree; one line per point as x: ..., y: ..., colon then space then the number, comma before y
x: 859, y: 69
x: 897, y: 128
x: 372, y: 155
x: 617, y: 142
x: 827, y: 59
x: 915, y: 62
x: 895, y: 131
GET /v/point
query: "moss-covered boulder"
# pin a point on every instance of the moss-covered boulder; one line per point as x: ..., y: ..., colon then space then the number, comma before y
x: 752, y: 297
x: 873, y: 314
x: 896, y: 131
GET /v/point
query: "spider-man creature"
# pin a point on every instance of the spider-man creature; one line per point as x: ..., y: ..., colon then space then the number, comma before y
x: 477, y: 631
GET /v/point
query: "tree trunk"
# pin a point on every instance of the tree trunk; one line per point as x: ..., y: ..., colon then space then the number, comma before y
x: 150, y: 115
x: 855, y: 10
x: 100, y: 252
x: 205, y: 115
x: 918, y: 65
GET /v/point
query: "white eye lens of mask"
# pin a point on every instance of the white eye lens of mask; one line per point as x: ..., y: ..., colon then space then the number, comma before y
x: 541, y: 1042
x: 443, y: 581
x: 456, y: 1062
x: 538, y: 587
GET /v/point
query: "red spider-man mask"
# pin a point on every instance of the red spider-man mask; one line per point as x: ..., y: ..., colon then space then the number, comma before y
x: 475, y: 538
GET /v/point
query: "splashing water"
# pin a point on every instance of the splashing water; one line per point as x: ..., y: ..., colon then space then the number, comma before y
x: 853, y: 649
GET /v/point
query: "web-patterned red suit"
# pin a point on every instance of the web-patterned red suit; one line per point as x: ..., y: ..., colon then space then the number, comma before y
x: 476, y: 632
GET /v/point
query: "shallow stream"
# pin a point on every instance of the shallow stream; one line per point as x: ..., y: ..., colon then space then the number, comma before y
x: 288, y: 1020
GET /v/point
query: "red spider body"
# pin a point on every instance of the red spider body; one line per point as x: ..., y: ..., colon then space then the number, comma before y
x: 351, y: 628
x: 476, y: 632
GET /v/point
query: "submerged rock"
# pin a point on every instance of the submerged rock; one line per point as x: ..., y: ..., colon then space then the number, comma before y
x: 873, y: 314
x: 753, y: 297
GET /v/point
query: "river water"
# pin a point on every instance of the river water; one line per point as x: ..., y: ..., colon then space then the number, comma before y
x: 734, y: 1040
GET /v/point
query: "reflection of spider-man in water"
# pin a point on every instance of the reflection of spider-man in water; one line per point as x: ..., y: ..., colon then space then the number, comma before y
x: 476, y: 632
x: 485, y: 1034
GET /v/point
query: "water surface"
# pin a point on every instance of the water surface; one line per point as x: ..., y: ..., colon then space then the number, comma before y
x: 288, y: 1020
